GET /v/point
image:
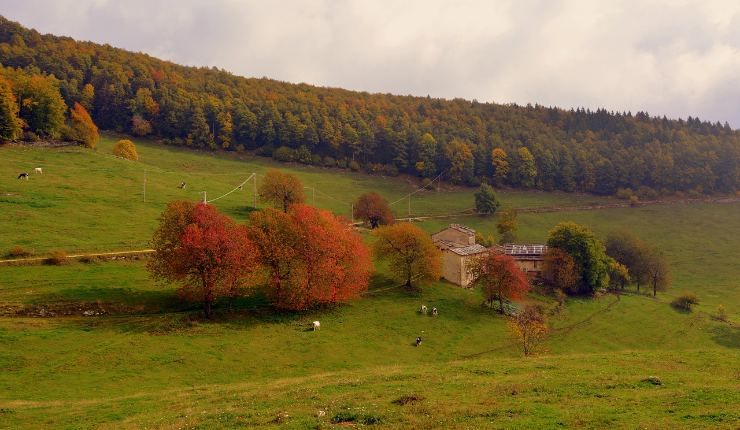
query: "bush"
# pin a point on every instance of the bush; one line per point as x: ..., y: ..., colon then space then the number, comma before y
x: 266, y: 151
x: 284, y: 154
x: 329, y: 161
x: 646, y: 193
x: 390, y: 170
x: 316, y: 159
x: 18, y: 252
x: 342, y: 163
x: 125, y: 149
x: 304, y: 155
x: 722, y: 313
x: 685, y: 301
x: 57, y: 258
x: 354, y: 165
x: 624, y: 193
x: 88, y: 259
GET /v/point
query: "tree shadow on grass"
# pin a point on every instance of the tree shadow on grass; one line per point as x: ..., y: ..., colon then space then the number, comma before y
x: 727, y: 336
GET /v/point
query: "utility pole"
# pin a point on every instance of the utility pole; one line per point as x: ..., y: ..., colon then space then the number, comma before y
x: 352, y: 212
x: 409, y: 207
x: 254, y: 188
x: 145, y: 186
x: 205, y: 200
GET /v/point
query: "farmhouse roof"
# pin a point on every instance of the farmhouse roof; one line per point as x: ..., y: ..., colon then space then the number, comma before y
x: 469, y: 250
x: 461, y: 228
x: 525, y: 249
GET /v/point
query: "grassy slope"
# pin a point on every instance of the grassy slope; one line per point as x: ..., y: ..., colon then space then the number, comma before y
x: 88, y: 201
x: 160, y: 366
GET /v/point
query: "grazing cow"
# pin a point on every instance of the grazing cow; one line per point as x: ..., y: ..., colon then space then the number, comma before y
x: 418, y: 340
x: 424, y: 309
x: 182, y: 185
x: 23, y: 175
x: 316, y: 325
x: 435, y: 312
x: 39, y: 170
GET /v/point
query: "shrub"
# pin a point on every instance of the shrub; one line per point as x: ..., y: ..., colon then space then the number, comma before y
x: 57, y: 258
x: 685, y: 301
x: 634, y: 201
x: 646, y: 193
x: 316, y: 159
x: 304, y: 155
x: 390, y: 170
x: 329, y: 161
x: 19, y: 252
x: 88, y: 259
x: 125, y: 149
x: 624, y: 193
x: 265, y: 151
x: 342, y: 163
x: 722, y: 313
x: 284, y: 154
x: 354, y: 165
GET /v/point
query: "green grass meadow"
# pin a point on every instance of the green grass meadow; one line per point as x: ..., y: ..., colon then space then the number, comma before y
x: 151, y: 361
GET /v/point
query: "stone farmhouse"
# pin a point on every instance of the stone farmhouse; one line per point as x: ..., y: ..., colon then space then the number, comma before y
x: 459, y: 251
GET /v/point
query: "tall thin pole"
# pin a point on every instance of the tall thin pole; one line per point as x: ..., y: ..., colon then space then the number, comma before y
x: 205, y: 200
x: 409, y: 206
x: 352, y: 212
x: 144, y: 185
x: 254, y: 189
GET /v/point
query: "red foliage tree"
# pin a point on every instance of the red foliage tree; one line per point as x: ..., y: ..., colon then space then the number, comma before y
x: 499, y: 278
x: 373, y: 209
x: 311, y: 257
x: 203, y: 250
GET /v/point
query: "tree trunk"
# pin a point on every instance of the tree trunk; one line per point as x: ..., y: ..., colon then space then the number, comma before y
x: 501, y: 305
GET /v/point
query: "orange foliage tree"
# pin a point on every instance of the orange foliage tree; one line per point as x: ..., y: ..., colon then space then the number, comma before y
x: 202, y: 250
x: 373, y: 209
x: 310, y: 256
x: 84, y: 129
x: 281, y: 189
x: 529, y: 328
x: 559, y: 270
x: 499, y: 278
x: 410, y: 252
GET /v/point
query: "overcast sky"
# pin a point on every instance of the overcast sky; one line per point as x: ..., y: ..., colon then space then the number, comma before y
x: 675, y: 58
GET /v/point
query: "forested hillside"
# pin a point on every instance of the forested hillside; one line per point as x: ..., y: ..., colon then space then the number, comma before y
x: 468, y: 142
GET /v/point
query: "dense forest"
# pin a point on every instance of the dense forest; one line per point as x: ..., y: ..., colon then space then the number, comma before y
x: 466, y: 142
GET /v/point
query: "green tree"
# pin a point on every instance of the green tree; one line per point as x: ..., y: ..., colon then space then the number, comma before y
x: 426, y: 150
x: 526, y: 169
x: 42, y: 106
x: 587, y: 251
x: 225, y: 129
x: 200, y: 134
x: 486, y: 202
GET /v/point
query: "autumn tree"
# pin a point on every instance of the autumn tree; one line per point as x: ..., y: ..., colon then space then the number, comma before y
x: 631, y: 252
x: 657, y: 271
x: 310, y: 257
x: 529, y: 328
x: 373, y: 208
x: 202, y: 250
x: 41, y: 105
x: 10, y: 124
x: 587, y: 252
x: 281, y: 189
x: 83, y: 128
x: 619, y: 275
x: 125, y: 148
x: 499, y: 278
x: 460, y: 158
x: 410, y: 252
x: 140, y: 126
x: 500, y: 162
x: 486, y: 202
x: 506, y: 225
x: 560, y: 271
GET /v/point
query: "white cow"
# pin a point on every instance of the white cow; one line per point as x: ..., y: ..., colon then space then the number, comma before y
x: 435, y: 312
x: 424, y: 309
x: 316, y: 325
x: 39, y: 170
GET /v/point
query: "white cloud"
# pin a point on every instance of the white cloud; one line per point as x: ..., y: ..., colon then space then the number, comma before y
x: 676, y: 58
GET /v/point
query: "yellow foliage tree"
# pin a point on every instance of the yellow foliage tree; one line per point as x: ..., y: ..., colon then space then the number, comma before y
x: 125, y: 149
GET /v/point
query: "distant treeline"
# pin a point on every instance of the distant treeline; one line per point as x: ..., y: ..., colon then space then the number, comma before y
x: 521, y: 146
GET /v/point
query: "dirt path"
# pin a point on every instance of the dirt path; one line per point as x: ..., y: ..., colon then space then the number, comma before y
x: 36, y: 260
